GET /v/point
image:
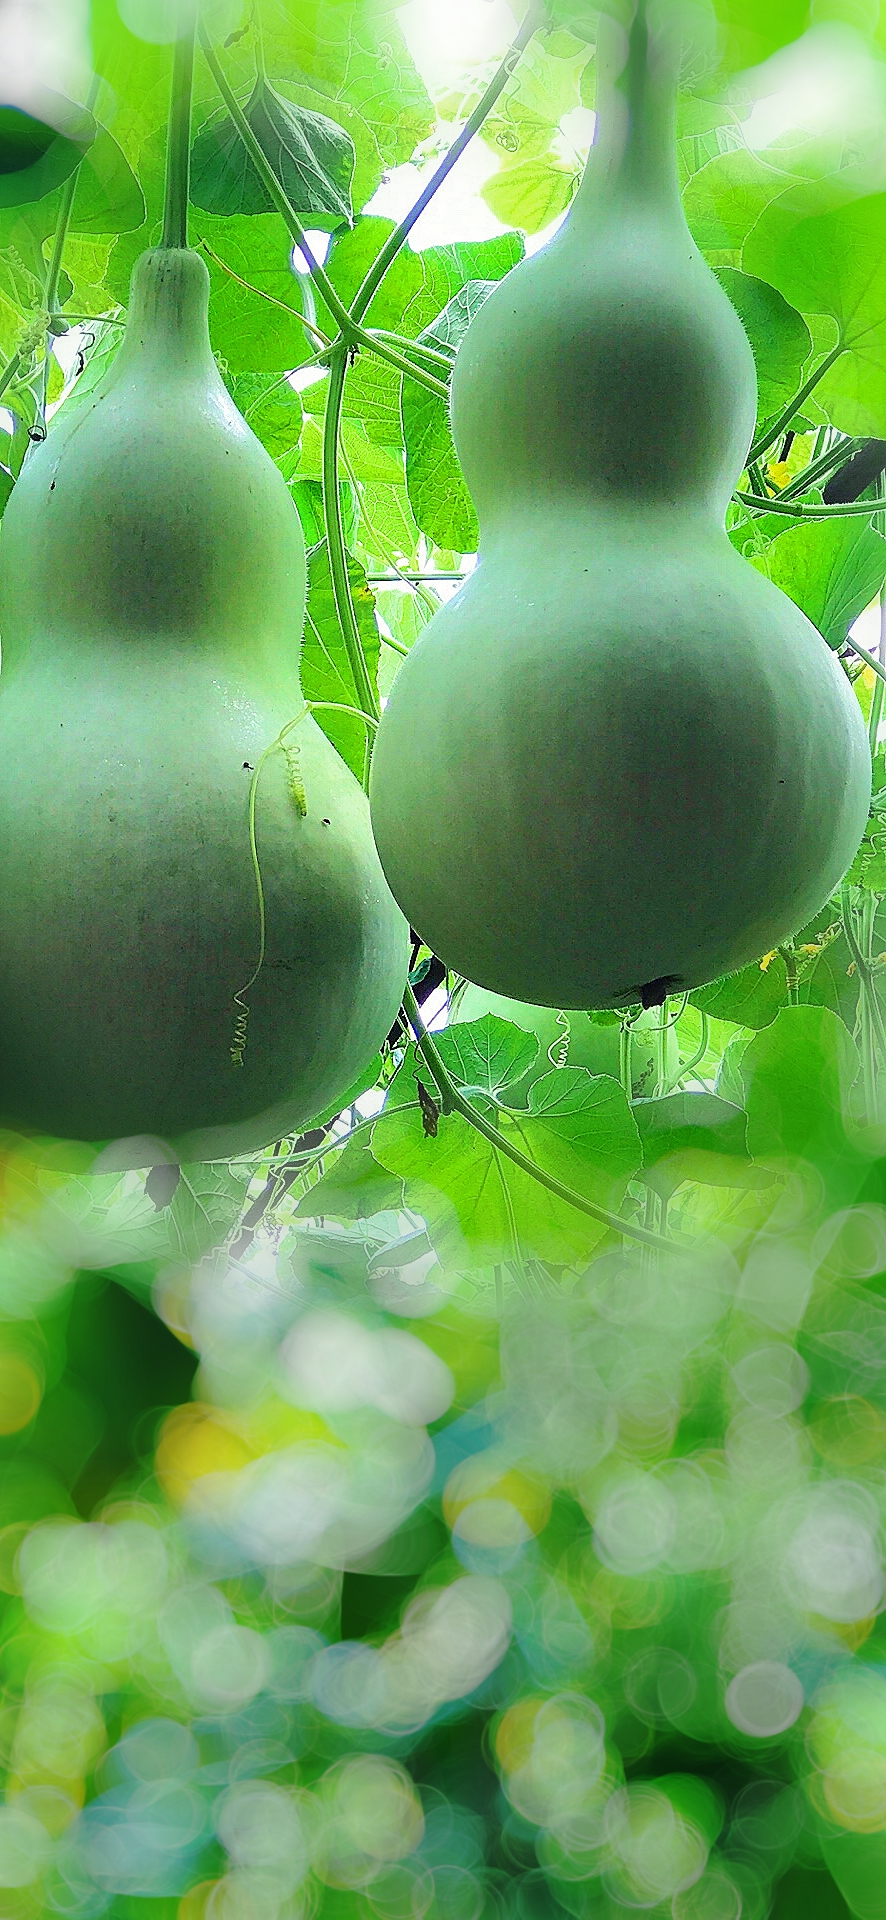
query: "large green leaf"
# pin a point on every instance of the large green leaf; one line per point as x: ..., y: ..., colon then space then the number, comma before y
x: 354, y: 1187
x: 531, y: 194
x: 833, y: 571
x: 271, y: 408
x: 414, y: 289
x: 751, y: 998
x: 797, y: 1075
x: 578, y: 1129
x: 699, y: 1137
x: 779, y: 337
x: 356, y: 51
x: 754, y: 29
x: 725, y: 199
x: 311, y: 155
x: 438, y: 495
x: 834, y: 263
x: 325, y: 667
x: 488, y: 1053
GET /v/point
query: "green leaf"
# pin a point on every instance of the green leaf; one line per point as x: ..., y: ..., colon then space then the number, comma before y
x: 779, y: 337
x: 680, y: 1121
x: 414, y: 288
x: 39, y: 151
x: 724, y: 200
x: 311, y: 155
x: 256, y: 300
x: 578, y: 1129
x: 755, y: 29
x: 355, y: 51
x: 208, y: 1202
x: 531, y: 194
x: 108, y: 1220
x: 325, y: 667
x: 489, y: 1053
x: 271, y: 408
x: 464, y: 260
x: 353, y: 1187
x: 437, y: 492
x: 363, y: 459
x: 834, y: 263
x: 832, y: 570
x: 7, y: 482
x: 797, y: 1076
x: 751, y: 998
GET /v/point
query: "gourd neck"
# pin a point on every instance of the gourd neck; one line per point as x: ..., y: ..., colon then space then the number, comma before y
x: 634, y: 155
x: 168, y: 318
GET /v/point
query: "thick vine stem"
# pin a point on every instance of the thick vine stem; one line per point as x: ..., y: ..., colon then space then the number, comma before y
x: 818, y: 469
x: 452, y: 1101
x: 776, y: 428
x: 278, y: 194
x: 774, y: 503
x: 536, y: 17
x: 338, y: 366
x: 335, y: 534
x: 178, y: 149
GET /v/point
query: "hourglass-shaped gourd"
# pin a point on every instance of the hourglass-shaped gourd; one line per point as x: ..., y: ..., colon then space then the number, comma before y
x: 152, y: 595
x: 620, y: 761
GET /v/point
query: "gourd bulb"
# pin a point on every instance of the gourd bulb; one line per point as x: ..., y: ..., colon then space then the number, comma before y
x: 619, y: 761
x: 152, y: 596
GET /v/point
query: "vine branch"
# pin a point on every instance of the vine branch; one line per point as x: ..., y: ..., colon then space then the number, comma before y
x: 453, y: 1101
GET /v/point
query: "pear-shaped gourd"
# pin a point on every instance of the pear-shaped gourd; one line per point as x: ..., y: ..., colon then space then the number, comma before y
x: 566, y: 1040
x: 620, y: 761
x: 152, y: 592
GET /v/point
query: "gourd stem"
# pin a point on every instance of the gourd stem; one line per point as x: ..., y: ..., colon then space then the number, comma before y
x: 278, y: 194
x: 769, y: 434
x: 536, y: 17
x: 178, y: 147
x: 635, y: 141
x: 453, y: 1101
x: 335, y: 534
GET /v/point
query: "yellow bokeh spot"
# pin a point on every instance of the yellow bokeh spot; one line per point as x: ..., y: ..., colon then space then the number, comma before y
x: 484, y: 1478
x: 848, y: 1430
x: 193, y: 1905
x: 852, y: 1633
x: 516, y: 1732
x: 194, y: 1441
x: 630, y: 1601
x: 854, y: 1790
x: 21, y: 1392
x: 274, y: 1423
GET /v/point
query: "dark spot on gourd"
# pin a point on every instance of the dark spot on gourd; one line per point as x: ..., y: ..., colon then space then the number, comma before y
x: 655, y: 992
x: 325, y: 823
x: 52, y: 487
x: 247, y: 768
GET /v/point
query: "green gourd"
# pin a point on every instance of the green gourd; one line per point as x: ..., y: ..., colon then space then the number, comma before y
x: 152, y: 595
x: 572, y: 1040
x: 619, y: 761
